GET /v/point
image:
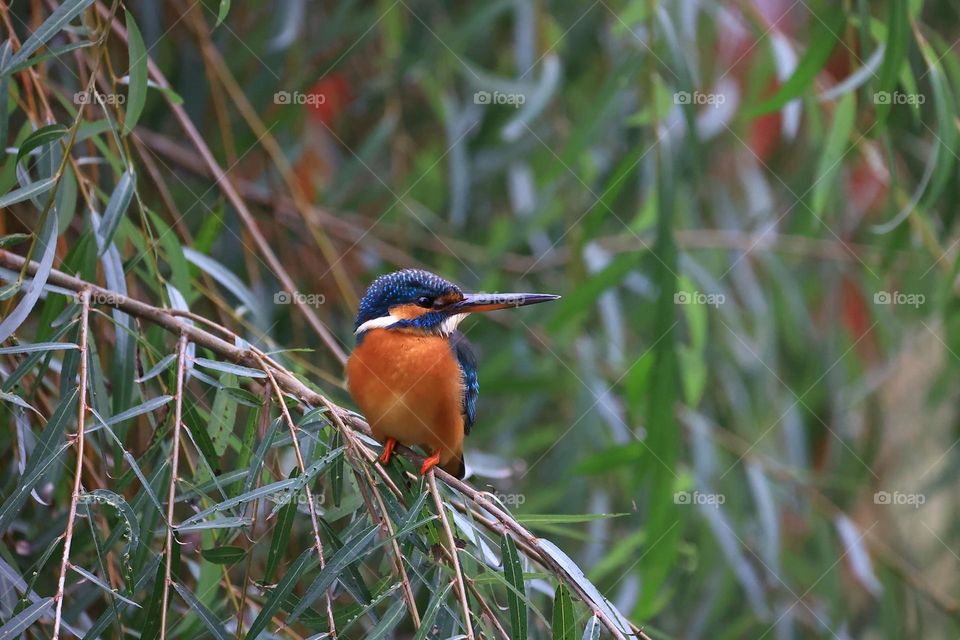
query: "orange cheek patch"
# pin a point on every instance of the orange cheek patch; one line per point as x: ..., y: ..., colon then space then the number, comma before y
x: 408, y: 311
x: 450, y: 298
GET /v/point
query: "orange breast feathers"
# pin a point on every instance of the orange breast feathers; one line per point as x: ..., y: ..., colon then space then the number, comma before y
x: 410, y: 387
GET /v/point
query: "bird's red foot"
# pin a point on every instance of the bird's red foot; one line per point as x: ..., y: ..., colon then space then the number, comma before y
x: 430, y: 463
x: 387, y: 450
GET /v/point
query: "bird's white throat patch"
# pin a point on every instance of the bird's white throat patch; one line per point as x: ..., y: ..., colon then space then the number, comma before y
x: 450, y: 325
x: 445, y: 328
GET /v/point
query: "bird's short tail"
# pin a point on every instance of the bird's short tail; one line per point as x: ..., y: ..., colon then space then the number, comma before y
x: 455, y: 467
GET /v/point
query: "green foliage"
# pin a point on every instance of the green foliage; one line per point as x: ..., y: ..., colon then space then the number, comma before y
x: 739, y: 421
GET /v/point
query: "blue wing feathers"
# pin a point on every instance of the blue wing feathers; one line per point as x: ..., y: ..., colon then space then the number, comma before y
x: 467, y: 359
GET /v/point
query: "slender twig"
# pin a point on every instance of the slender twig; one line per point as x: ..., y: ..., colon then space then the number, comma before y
x: 249, y: 113
x: 346, y: 422
x: 75, y: 496
x: 395, y: 547
x: 172, y: 495
x: 306, y: 487
x: 225, y: 183
x: 454, y: 556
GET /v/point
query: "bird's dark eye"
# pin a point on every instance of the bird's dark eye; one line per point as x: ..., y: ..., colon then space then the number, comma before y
x: 425, y: 301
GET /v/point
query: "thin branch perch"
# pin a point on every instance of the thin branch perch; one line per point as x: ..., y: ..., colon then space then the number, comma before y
x: 75, y: 496
x: 172, y: 495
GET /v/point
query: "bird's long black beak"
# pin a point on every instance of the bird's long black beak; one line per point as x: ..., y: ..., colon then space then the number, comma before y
x: 477, y: 302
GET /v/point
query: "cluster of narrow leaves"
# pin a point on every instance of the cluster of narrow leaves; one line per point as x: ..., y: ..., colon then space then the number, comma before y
x: 743, y: 440
x: 243, y: 559
x: 230, y: 546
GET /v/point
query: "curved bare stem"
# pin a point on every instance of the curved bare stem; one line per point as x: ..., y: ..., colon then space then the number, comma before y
x: 75, y: 496
x: 172, y: 494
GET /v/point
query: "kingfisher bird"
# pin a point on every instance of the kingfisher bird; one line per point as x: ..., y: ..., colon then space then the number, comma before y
x: 413, y: 375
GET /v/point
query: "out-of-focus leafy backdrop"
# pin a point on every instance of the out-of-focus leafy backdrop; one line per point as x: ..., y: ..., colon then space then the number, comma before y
x: 748, y: 207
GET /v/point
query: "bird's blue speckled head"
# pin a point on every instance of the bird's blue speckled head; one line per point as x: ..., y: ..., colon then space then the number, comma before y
x: 406, y: 287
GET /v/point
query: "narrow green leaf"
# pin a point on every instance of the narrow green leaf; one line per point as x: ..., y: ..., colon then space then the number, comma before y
x: 150, y: 623
x: 13, y: 239
x: 38, y: 346
x: 256, y: 464
x: 894, y: 56
x: 206, y: 616
x: 831, y: 158
x: 223, y: 415
x: 223, y: 11
x: 281, y: 535
x: 49, y: 446
x: 244, y: 397
x: 119, y: 503
x: 306, y: 560
x: 158, y: 368
x: 25, y: 193
x: 216, y: 523
x: 597, y: 600
x: 111, y: 613
x: 945, y: 107
x: 150, y: 405
x: 103, y: 585
x: 137, y: 75
x: 52, y: 53
x: 662, y: 394
x: 336, y: 476
x: 247, y: 496
x: 350, y: 551
x: 513, y: 572
x: 389, y: 621
x: 40, y: 137
x: 197, y: 429
x: 19, y: 623
x: 130, y: 461
x: 224, y: 555
x: 227, y: 279
x: 5, y: 54
x: 61, y: 16
x: 426, y: 622
x: 564, y: 620
x: 593, y: 628
x: 17, y: 400
x: 116, y: 207
x: 249, y: 439
x: 827, y: 29
x: 229, y: 367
